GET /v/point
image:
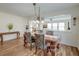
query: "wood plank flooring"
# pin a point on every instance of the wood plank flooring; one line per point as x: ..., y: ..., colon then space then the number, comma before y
x: 69, y: 50
x: 16, y: 48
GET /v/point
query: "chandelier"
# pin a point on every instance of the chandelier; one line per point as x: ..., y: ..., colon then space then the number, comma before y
x: 36, y: 15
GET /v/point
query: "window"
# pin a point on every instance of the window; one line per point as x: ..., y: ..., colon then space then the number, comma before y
x: 58, y: 23
x: 54, y: 26
x: 61, y: 26
x: 49, y: 26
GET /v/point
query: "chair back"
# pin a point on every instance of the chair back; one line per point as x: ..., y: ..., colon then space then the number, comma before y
x: 28, y: 36
x: 39, y: 41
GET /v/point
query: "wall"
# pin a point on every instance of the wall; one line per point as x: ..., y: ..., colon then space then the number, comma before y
x: 18, y: 24
x: 70, y: 37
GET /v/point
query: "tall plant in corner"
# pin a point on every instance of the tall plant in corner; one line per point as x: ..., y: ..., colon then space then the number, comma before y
x: 10, y: 26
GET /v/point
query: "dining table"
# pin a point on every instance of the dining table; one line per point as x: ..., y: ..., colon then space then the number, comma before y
x: 50, y: 38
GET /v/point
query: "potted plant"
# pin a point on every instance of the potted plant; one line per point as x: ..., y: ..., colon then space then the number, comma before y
x: 10, y: 26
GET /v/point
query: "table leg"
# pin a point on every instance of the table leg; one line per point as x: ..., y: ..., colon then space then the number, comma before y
x: 18, y: 35
x: 1, y: 39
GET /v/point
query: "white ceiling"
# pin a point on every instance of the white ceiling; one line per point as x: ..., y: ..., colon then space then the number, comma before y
x: 26, y: 9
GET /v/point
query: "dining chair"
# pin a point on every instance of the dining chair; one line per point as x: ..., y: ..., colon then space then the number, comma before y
x: 40, y: 43
x: 53, y: 46
x: 27, y: 39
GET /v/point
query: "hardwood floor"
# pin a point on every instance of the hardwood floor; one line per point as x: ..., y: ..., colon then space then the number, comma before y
x: 16, y: 48
x: 69, y: 50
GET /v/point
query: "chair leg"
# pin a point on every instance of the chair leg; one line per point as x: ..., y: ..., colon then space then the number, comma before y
x: 45, y: 52
x: 30, y: 46
x: 25, y: 45
x: 35, y: 50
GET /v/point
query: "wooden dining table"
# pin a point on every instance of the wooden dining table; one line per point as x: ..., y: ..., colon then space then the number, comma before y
x: 51, y: 39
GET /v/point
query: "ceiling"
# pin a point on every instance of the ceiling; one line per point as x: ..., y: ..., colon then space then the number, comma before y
x: 26, y: 9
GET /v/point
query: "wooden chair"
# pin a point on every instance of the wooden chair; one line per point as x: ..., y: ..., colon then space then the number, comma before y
x: 27, y: 40
x: 40, y: 43
x: 53, y: 47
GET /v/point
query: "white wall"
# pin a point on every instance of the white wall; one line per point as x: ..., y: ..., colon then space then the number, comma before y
x: 18, y: 24
x: 70, y: 37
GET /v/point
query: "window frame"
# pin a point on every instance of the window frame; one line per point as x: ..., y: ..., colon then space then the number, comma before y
x: 57, y: 25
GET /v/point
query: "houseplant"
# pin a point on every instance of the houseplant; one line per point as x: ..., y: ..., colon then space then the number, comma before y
x: 10, y: 26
